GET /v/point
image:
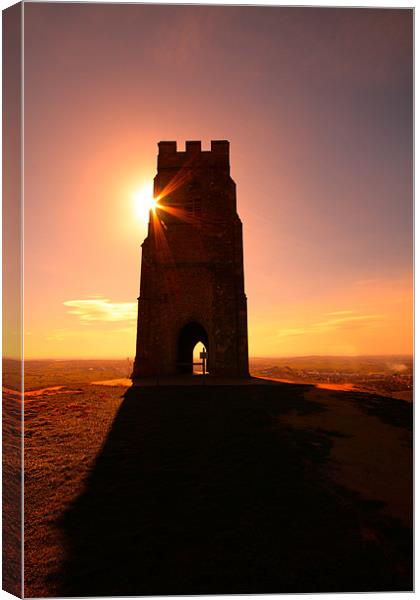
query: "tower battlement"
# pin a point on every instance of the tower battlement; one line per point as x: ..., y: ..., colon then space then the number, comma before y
x: 192, y: 274
x: 170, y: 157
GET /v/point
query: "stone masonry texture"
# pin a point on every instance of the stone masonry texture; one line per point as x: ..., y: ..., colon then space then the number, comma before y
x: 192, y: 275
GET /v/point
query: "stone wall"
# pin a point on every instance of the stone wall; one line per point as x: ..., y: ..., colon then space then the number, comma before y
x: 192, y: 264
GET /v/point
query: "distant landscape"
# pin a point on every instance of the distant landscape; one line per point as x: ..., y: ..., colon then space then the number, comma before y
x: 390, y: 375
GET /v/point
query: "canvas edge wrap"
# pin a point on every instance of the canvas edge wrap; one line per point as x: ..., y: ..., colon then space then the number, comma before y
x: 12, y: 25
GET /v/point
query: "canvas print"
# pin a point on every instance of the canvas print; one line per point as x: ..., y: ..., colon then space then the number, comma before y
x: 207, y: 299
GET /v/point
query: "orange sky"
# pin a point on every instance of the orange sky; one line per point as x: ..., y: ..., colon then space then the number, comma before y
x: 317, y: 106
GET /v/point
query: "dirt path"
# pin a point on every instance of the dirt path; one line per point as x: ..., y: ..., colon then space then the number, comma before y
x: 368, y: 455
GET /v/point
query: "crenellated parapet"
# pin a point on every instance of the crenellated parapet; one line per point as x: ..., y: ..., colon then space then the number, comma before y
x: 169, y: 157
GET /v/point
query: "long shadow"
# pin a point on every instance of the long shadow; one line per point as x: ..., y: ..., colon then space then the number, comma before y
x: 204, y: 490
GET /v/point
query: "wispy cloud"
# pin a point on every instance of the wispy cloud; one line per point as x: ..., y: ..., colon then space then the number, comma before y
x: 97, y: 308
x: 340, y: 319
x: 344, y: 320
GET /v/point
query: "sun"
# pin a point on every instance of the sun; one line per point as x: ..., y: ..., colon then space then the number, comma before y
x: 144, y: 201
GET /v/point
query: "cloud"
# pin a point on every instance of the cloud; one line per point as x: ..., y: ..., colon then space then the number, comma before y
x: 333, y: 323
x: 293, y: 331
x: 98, y: 308
x: 341, y: 319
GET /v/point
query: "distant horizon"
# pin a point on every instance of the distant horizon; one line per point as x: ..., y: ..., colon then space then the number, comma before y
x: 278, y: 356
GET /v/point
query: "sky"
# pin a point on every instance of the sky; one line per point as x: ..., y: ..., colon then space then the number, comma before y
x: 317, y: 106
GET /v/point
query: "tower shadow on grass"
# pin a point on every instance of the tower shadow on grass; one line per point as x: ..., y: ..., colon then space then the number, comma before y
x: 203, y: 490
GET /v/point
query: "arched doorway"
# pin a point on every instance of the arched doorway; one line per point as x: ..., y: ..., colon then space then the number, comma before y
x: 189, y: 336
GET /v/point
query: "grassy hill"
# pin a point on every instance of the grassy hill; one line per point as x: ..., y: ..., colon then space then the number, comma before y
x: 218, y: 489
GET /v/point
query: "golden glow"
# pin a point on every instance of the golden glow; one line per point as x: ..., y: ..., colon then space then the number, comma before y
x: 144, y: 201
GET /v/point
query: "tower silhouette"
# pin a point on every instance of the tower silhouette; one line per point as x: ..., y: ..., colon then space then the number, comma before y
x: 192, y: 276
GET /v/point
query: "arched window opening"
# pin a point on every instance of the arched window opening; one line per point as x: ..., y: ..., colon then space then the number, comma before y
x: 191, y: 341
x: 200, y: 359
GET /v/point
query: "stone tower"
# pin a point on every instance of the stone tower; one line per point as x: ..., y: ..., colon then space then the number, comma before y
x: 192, y: 275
